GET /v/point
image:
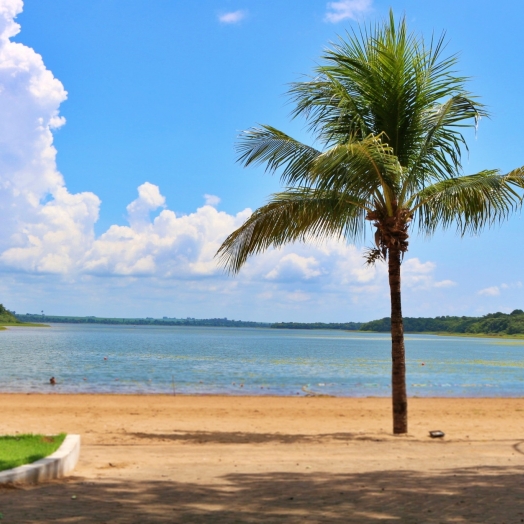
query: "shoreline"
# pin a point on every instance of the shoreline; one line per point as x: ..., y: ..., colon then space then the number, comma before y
x: 4, y: 326
x: 434, y: 333
x: 100, y: 413
x: 249, y: 396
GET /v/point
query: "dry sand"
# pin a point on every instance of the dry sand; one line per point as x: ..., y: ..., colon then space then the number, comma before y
x: 184, y: 459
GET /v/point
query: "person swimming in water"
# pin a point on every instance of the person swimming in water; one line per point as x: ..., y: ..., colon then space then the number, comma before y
x: 52, y: 381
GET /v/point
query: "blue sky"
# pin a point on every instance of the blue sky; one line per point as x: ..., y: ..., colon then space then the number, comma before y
x: 141, y: 103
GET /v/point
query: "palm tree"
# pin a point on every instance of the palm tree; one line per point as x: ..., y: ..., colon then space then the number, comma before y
x: 389, y: 111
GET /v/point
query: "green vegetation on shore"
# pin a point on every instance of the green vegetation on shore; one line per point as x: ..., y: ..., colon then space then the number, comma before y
x: 148, y: 321
x: 493, y: 324
x: 8, y: 319
x: 24, y: 449
x: 347, y: 326
x: 500, y: 324
x: 199, y: 322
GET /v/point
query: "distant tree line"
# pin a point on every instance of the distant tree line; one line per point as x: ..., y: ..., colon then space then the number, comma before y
x: 491, y: 324
x: 348, y: 326
x: 214, y: 322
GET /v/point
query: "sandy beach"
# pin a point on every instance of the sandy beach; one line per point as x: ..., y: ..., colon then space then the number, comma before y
x: 178, y: 459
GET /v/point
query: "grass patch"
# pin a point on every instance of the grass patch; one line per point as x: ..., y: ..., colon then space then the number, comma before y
x: 24, y: 449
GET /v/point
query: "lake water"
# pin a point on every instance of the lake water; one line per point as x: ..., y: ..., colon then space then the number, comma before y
x: 150, y: 359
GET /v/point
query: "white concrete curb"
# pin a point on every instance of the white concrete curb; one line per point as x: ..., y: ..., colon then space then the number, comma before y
x: 60, y: 463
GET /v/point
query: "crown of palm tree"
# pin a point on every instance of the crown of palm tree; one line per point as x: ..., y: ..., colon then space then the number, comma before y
x: 390, y: 112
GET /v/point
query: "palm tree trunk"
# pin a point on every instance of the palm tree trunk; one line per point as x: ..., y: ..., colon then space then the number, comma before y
x: 398, y: 352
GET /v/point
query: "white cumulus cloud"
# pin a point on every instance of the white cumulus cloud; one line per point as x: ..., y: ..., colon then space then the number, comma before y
x: 149, y: 199
x: 211, y: 200
x: 232, y: 17
x: 495, y: 291
x: 419, y: 275
x: 44, y: 227
x: 8, y: 11
x: 346, y: 9
x: 292, y: 267
x: 492, y: 291
x: 445, y: 283
x: 168, y: 246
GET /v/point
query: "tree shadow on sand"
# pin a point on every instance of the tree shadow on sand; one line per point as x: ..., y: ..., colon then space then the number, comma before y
x: 486, y: 495
x: 240, y: 437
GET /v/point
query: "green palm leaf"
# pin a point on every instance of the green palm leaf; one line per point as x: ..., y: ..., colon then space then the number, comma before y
x: 300, y: 214
x: 366, y: 168
x: 469, y: 202
x: 269, y: 146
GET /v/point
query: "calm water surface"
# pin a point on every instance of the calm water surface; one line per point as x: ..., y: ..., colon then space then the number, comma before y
x: 151, y: 359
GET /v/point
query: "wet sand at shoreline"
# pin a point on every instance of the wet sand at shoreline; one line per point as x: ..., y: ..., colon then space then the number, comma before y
x: 163, y: 458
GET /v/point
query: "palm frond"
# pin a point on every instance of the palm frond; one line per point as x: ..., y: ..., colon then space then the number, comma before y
x: 332, y: 112
x: 437, y: 156
x: 469, y: 202
x: 267, y: 145
x: 298, y: 214
x: 516, y: 178
x: 387, y: 81
x: 366, y: 168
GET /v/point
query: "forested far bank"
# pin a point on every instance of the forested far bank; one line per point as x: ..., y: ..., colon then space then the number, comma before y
x: 148, y: 321
x: 166, y: 321
x: 347, y: 326
x: 491, y: 324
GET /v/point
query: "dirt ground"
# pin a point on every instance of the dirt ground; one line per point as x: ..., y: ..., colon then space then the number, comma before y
x: 210, y: 459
